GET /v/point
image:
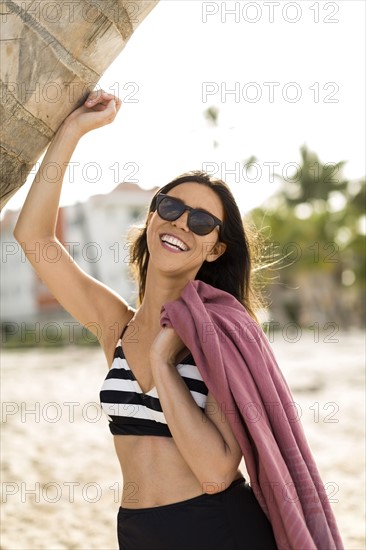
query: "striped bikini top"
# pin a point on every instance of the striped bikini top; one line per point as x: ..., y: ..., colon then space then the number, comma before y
x: 130, y: 411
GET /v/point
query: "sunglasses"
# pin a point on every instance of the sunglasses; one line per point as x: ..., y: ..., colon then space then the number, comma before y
x: 199, y: 221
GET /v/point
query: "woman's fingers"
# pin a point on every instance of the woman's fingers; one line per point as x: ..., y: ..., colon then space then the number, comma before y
x: 118, y: 103
x: 100, y: 108
x: 99, y: 96
x: 94, y: 96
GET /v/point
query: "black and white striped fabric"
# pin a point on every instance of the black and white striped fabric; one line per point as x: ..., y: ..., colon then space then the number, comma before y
x: 131, y: 411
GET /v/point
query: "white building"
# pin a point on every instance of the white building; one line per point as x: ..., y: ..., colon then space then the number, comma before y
x: 17, y: 281
x: 94, y: 233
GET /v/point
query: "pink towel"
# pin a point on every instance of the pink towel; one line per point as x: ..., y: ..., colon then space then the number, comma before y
x: 238, y: 366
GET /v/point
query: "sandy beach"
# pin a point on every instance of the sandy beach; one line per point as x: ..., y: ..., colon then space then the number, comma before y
x: 61, y: 483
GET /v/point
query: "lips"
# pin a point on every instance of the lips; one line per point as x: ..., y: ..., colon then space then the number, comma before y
x: 173, y: 243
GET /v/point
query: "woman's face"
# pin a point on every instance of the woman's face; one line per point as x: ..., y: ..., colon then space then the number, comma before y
x: 193, y: 249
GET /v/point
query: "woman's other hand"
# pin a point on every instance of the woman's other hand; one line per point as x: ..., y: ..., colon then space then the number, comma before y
x: 166, y: 347
x: 99, y: 108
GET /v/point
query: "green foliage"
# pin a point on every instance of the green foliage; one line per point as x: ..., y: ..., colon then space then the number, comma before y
x: 313, y: 181
x: 211, y: 114
x: 314, y: 223
x: 13, y: 339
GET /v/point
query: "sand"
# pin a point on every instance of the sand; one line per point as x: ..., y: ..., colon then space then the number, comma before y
x: 61, y: 482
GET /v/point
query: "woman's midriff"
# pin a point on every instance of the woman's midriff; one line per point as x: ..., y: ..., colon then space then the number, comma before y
x: 155, y: 473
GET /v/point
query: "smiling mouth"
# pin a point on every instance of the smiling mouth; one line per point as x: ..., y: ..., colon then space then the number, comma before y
x: 173, y: 242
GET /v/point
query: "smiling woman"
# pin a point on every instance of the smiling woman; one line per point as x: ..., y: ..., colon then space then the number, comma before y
x: 173, y: 439
x: 229, y: 268
x: 174, y: 219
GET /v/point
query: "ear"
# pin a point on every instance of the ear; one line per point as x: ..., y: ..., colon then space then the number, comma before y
x: 217, y: 250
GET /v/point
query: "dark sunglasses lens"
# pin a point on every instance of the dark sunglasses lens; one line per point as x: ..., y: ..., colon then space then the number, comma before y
x: 201, y: 223
x: 170, y: 209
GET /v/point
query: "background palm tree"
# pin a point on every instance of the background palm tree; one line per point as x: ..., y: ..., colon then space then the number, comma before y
x: 53, y: 55
x: 313, y: 226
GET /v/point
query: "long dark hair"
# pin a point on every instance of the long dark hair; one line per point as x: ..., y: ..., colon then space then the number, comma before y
x: 233, y: 270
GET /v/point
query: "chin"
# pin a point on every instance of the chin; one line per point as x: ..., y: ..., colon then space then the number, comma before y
x: 176, y: 268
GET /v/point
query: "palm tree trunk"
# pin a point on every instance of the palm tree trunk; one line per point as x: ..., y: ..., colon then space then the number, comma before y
x: 52, y: 56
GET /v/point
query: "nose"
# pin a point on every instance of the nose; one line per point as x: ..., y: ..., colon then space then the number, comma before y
x: 182, y: 221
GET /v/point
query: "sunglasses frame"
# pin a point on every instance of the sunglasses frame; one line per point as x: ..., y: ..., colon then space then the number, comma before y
x: 161, y: 196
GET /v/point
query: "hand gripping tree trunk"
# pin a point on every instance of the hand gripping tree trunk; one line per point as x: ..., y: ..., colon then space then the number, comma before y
x: 52, y: 56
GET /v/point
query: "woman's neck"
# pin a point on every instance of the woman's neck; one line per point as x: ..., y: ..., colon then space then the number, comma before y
x: 158, y: 291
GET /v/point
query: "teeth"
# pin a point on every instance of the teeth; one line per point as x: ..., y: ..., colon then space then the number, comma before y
x: 175, y: 242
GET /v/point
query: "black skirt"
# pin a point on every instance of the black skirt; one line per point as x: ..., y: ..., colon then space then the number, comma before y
x: 229, y: 520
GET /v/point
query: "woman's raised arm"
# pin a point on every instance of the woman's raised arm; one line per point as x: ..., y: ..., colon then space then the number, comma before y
x: 85, y: 298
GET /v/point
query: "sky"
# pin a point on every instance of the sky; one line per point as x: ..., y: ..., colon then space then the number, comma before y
x: 281, y: 75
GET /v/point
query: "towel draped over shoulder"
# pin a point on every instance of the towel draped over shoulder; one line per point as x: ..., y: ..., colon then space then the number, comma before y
x: 237, y: 364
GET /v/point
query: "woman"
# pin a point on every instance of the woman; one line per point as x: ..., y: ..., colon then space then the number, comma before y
x: 179, y: 458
